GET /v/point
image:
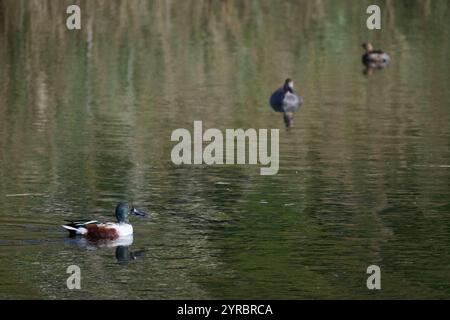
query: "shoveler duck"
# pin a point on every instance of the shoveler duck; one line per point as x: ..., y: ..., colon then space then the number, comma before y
x: 286, y: 100
x: 110, y: 230
x: 376, y: 59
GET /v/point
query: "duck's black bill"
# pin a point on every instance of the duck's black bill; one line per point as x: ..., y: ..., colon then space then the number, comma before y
x: 138, y: 212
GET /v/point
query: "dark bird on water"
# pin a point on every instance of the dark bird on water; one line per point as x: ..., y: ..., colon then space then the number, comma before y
x: 286, y: 100
x: 375, y: 59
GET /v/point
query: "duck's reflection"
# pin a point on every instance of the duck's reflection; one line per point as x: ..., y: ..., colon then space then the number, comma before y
x: 122, y: 244
x: 370, y: 69
x: 124, y: 255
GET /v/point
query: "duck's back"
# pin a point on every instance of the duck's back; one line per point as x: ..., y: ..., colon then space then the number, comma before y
x: 276, y: 100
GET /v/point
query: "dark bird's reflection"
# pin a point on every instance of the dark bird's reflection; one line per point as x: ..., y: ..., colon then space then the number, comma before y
x: 123, y: 253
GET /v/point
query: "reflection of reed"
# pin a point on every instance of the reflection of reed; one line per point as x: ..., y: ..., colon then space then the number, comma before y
x: 163, y: 55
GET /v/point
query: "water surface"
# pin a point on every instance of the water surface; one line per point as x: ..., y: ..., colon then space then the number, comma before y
x: 86, y: 118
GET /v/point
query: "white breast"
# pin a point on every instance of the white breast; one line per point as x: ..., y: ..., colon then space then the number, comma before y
x: 291, y: 102
x: 123, y: 229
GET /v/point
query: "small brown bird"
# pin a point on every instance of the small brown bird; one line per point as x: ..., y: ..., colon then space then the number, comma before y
x: 375, y: 59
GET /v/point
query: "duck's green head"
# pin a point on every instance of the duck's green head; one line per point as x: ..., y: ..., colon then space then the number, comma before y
x: 123, y: 211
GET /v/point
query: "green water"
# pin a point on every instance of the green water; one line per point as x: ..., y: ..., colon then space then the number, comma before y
x: 86, y: 118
